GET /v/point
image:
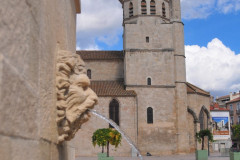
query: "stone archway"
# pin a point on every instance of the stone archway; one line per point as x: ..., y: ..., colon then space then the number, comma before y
x: 114, y: 111
x: 193, y: 114
x: 204, y: 123
x: 193, y: 130
x: 206, y: 111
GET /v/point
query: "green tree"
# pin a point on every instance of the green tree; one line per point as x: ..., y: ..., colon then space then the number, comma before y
x: 105, y: 136
x: 204, y: 133
x: 236, y: 131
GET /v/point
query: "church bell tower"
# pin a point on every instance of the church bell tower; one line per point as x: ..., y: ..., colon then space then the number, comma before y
x: 154, y: 66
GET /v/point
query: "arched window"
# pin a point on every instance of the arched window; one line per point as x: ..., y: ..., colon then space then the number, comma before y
x: 130, y: 9
x: 114, y: 112
x: 89, y: 73
x: 149, y: 115
x: 149, y: 81
x: 144, y: 7
x: 163, y: 10
x: 201, y: 119
x: 152, y: 7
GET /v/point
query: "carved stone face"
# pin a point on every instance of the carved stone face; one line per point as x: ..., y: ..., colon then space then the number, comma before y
x: 74, y: 97
x: 80, y: 66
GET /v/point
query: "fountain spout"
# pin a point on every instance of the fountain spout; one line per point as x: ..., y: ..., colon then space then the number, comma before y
x: 130, y: 142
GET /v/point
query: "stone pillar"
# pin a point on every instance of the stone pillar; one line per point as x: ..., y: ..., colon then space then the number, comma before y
x: 31, y: 32
x: 180, y: 78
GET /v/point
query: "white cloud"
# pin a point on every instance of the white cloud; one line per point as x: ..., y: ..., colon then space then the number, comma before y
x: 90, y: 47
x: 227, y: 6
x: 100, y: 20
x: 213, y: 68
x: 193, y: 9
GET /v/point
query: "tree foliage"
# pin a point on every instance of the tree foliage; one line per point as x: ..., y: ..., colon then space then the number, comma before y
x: 204, y: 133
x: 105, y: 136
x: 236, y: 131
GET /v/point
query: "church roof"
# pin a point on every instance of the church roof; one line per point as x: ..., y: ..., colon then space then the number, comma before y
x: 194, y: 89
x: 101, y: 55
x: 111, y: 88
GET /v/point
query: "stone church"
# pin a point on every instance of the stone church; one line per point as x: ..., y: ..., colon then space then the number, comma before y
x: 143, y: 88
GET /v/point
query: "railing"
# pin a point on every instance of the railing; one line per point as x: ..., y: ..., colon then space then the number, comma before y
x: 234, y: 150
x: 224, y: 152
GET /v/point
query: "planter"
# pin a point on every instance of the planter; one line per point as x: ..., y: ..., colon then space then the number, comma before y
x: 100, y: 155
x: 103, y: 156
x: 234, y: 155
x: 201, y: 155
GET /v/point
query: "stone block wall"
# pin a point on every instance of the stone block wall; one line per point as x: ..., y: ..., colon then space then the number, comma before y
x: 159, y: 33
x: 195, y: 103
x: 160, y: 137
x: 31, y: 34
x: 137, y: 8
x: 155, y: 65
x: 128, y: 122
x: 105, y: 70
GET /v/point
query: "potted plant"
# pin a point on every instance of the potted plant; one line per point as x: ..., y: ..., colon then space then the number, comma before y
x: 203, y: 154
x: 235, y: 154
x: 103, y: 138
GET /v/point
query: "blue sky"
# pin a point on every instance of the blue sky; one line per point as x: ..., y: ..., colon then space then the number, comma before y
x: 225, y: 27
x: 212, y: 38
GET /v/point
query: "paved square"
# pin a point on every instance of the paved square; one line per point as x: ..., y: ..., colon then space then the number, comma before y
x: 213, y: 156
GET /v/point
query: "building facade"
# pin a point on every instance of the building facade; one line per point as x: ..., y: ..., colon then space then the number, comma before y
x: 143, y: 88
x: 232, y: 103
x: 221, y: 128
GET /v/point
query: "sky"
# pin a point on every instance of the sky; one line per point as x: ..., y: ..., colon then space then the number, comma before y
x: 211, y: 32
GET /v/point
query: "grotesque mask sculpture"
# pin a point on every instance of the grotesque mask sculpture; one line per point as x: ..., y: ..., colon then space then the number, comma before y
x: 74, y: 97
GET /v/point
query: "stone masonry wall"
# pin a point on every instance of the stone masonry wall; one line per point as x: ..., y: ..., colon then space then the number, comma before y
x: 160, y: 137
x: 31, y: 33
x: 83, y: 139
x: 159, y: 33
x: 196, y: 102
x: 105, y: 70
x: 155, y: 65
x: 137, y: 8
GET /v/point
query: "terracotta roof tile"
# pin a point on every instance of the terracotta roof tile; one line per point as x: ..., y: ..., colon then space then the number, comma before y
x: 111, y: 88
x: 101, y: 55
x: 228, y: 96
x: 223, y: 97
x: 216, y: 107
x: 234, y: 100
x: 194, y: 89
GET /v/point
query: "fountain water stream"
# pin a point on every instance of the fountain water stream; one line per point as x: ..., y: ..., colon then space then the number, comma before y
x: 118, y: 129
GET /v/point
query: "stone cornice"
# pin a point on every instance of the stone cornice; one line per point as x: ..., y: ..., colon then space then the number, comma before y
x: 180, y: 82
x: 150, y: 50
x: 152, y: 86
x: 179, y: 55
x: 136, y: 16
x: 121, y: 1
x: 176, y: 21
